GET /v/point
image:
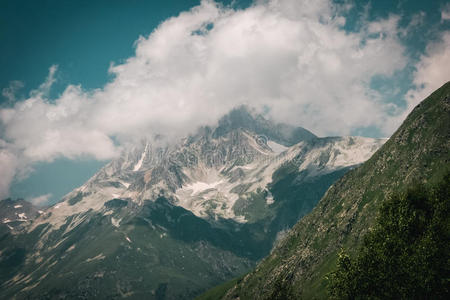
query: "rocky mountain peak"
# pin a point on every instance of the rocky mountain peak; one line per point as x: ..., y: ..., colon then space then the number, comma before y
x: 214, y: 202
x: 243, y: 117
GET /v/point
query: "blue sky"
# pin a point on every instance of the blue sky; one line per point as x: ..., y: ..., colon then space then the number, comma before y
x: 83, y: 39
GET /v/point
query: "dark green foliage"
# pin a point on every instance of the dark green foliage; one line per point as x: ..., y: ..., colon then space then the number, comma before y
x: 76, y: 199
x: 11, y: 260
x: 283, y: 290
x: 301, y: 194
x: 219, y: 291
x: 406, y: 255
x: 116, y: 203
x: 160, y: 293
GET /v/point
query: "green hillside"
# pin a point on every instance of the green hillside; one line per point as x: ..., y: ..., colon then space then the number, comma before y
x: 405, y: 255
x: 418, y: 152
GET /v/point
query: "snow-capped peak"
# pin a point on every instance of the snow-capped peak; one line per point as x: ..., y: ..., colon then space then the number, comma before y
x: 211, y: 172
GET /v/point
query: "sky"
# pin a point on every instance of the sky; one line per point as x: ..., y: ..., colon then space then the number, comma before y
x: 81, y: 80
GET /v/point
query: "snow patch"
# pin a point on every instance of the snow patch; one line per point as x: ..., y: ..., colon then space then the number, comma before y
x: 99, y: 274
x: 22, y: 216
x: 209, y: 195
x: 269, y: 198
x: 247, y: 167
x: 277, y: 148
x: 198, y: 187
x: 252, y: 141
x: 213, y: 194
x: 52, y: 264
x: 71, y: 248
x: 138, y: 165
x: 98, y: 257
x: 57, y: 215
x: 43, y: 277
x: 338, y: 154
x: 18, y: 206
x: 30, y: 287
x: 128, y: 239
x: 115, y: 222
x: 77, y: 220
x: 125, y: 184
x: 58, y: 243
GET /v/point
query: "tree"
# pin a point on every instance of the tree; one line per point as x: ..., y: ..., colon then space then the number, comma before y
x: 406, y: 255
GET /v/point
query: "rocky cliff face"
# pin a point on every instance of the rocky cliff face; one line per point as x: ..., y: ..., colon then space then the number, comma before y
x: 168, y: 221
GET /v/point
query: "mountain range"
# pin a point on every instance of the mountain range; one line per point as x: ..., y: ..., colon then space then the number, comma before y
x: 170, y: 220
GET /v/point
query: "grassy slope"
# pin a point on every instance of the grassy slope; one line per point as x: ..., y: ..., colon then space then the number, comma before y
x: 418, y: 151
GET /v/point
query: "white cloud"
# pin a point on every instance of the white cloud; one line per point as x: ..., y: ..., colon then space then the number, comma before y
x: 416, y: 22
x: 431, y: 72
x: 8, y: 168
x: 290, y: 56
x: 10, y: 92
x: 44, y: 88
x: 41, y: 200
x: 445, y: 12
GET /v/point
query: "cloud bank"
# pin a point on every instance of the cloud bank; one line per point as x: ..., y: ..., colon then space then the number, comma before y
x: 41, y: 200
x: 445, y: 13
x: 432, y: 70
x: 288, y: 57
